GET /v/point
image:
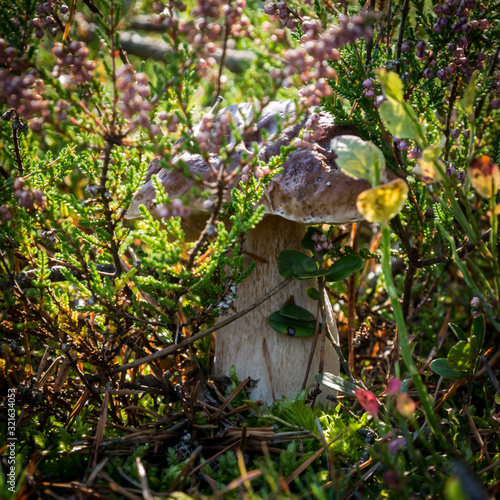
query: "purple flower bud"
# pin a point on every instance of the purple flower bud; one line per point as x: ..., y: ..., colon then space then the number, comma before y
x: 64, y: 9
x: 454, y: 133
x: 466, y: 134
x: 451, y: 171
x: 475, y: 302
x: 420, y: 45
x: 379, y: 100
x: 428, y: 73
x: 437, y: 28
x: 415, y: 153
x: 442, y: 74
x: 370, y: 93
x: 495, y: 104
x: 405, y: 46
x: 403, y: 146
x: 5, y: 214
x: 396, y: 139
x: 484, y: 24
x: 270, y: 9
x: 452, y: 68
x: 368, y: 83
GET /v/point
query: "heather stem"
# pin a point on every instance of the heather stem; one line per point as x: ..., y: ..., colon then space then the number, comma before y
x: 404, y: 344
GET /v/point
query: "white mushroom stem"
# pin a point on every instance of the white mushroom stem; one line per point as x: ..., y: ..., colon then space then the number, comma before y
x: 243, y: 342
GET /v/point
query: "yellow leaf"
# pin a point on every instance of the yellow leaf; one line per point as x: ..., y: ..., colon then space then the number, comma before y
x: 484, y: 176
x: 383, y: 202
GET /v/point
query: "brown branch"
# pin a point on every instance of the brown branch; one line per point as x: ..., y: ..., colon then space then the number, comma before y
x: 147, y: 47
x: 404, y: 16
x: 18, y: 126
x: 222, y: 61
x: 25, y: 279
x: 110, y: 225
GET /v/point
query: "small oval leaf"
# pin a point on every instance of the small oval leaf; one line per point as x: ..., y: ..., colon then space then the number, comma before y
x: 458, y: 331
x: 479, y: 330
x: 443, y: 369
x: 312, y: 293
x: 461, y: 356
x: 291, y: 327
x: 296, y: 312
x: 344, y: 267
x: 295, y: 264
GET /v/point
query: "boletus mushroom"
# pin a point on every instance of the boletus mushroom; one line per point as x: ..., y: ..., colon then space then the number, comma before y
x: 310, y: 190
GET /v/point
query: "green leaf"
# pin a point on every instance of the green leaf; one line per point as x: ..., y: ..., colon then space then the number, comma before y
x: 312, y: 293
x: 344, y: 267
x: 337, y: 383
x: 296, y: 312
x: 443, y: 369
x: 42, y: 272
x: 253, y: 405
x: 458, y: 331
x: 462, y: 355
x: 401, y: 120
x: 479, y: 330
x: 391, y: 84
x: 357, y: 158
x: 469, y: 96
x: 291, y: 327
x: 296, y: 264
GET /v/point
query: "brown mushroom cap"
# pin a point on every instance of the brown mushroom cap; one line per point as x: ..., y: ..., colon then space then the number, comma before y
x: 174, y: 181
x: 311, y: 189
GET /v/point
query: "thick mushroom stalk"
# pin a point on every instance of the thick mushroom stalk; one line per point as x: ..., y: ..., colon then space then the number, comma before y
x: 276, y: 363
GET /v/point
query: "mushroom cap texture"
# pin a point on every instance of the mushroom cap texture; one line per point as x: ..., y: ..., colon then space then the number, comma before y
x: 311, y: 189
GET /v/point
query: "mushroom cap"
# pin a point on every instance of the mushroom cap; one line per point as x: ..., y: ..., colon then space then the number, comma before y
x: 175, y: 182
x: 311, y: 189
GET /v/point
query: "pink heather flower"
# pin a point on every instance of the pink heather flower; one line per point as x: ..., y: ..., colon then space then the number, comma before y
x: 368, y: 401
x: 393, y: 387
